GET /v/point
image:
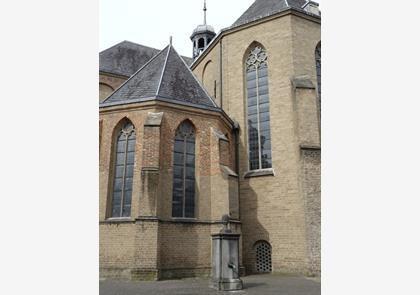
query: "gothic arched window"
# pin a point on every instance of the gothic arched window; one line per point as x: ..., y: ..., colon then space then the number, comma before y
x: 318, y: 68
x: 123, y: 170
x: 258, y: 110
x: 183, y: 196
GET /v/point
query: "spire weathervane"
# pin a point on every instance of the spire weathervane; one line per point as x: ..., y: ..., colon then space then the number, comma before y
x: 205, y: 13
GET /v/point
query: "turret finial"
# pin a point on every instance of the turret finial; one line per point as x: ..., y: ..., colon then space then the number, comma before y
x: 170, y: 40
x: 205, y: 13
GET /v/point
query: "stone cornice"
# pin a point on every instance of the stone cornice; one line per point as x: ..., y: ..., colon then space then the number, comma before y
x: 156, y: 103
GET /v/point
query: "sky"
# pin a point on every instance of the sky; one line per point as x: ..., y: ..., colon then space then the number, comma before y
x: 152, y: 22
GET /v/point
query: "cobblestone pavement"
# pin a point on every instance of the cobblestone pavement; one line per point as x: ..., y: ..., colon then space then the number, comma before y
x: 253, y: 285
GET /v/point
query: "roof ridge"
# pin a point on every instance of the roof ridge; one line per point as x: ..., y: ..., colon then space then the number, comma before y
x: 126, y: 81
x: 163, y: 69
x: 115, y: 45
x: 191, y: 72
x: 138, y: 44
x: 127, y: 41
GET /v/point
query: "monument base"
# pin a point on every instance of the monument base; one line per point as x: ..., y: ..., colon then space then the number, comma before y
x: 227, y: 285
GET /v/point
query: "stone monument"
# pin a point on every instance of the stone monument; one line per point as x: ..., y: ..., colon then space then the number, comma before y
x: 225, y: 259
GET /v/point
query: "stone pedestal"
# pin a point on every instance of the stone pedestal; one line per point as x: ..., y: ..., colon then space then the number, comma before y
x: 225, y: 262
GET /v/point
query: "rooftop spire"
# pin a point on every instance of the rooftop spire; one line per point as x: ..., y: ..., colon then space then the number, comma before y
x: 205, y: 13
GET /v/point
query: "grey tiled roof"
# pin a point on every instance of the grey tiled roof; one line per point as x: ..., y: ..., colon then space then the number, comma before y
x: 126, y: 57
x: 165, y: 77
x: 263, y: 8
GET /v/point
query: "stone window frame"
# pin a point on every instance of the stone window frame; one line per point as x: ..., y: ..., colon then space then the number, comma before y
x: 247, y: 62
x: 119, y: 127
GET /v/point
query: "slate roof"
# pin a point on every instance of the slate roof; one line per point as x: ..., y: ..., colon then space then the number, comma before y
x: 263, y: 8
x: 126, y: 57
x: 165, y: 77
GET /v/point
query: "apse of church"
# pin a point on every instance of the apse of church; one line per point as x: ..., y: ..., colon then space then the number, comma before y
x: 240, y: 137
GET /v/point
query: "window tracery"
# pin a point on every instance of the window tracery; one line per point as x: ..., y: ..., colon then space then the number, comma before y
x: 183, y: 195
x: 258, y: 110
x: 123, y: 170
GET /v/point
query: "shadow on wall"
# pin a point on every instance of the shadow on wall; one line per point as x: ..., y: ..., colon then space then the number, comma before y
x: 252, y: 230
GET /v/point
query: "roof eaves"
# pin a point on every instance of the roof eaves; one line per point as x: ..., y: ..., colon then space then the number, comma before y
x: 168, y: 100
x: 150, y: 60
x: 190, y: 104
x: 125, y: 102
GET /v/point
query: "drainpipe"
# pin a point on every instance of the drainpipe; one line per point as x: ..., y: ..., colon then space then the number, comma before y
x: 236, y: 136
x: 221, y: 71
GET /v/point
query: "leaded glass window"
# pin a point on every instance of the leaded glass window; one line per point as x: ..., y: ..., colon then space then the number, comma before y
x: 183, y: 195
x: 258, y: 110
x: 123, y: 172
x: 318, y: 69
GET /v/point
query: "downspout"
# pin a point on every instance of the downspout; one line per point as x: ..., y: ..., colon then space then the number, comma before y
x: 236, y: 136
x: 221, y: 71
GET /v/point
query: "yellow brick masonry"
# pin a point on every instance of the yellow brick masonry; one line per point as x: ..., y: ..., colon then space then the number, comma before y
x: 151, y: 244
x: 283, y: 209
x: 273, y: 208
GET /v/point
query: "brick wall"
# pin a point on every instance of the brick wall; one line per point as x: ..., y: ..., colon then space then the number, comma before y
x: 272, y: 208
x: 151, y: 244
x: 282, y: 209
x: 311, y: 183
x: 108, y: 84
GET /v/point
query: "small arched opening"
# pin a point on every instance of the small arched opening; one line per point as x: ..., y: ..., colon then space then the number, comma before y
x: 201, y: 43
x: 263, y: 257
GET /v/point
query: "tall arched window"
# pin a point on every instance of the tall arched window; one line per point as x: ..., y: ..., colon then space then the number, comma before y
x: 258, y: 110
x: 318, y: 69
x: 183, y: 196
x: 123, y: 171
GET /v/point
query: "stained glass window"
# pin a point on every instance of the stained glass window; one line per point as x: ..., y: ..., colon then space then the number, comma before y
x: 124, y: 168
x: 258, y: 110
x: 183, y: 195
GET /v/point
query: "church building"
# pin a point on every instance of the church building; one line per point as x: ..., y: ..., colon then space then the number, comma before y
x: 234, y: 130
